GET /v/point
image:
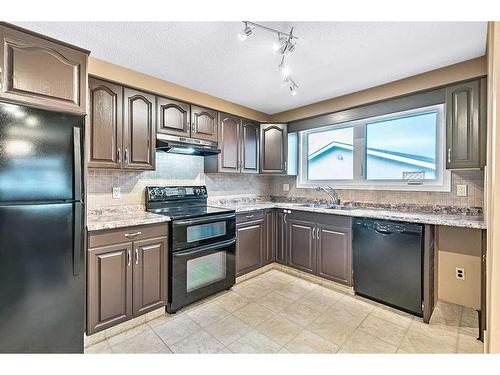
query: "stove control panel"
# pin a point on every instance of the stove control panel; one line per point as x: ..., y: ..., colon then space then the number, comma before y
x: 165, y: 193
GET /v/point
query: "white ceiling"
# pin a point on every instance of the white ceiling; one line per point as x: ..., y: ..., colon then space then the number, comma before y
x: 331, y: 58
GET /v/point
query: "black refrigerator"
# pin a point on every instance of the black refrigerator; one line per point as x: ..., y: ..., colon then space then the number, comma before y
x: 41, y: 231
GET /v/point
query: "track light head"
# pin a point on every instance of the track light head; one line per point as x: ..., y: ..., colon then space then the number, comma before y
x: 284, y: 69
x: 247, y: 31
x: 293, y: 86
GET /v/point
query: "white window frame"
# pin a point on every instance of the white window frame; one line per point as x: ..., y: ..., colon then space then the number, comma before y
x: 359, y: 182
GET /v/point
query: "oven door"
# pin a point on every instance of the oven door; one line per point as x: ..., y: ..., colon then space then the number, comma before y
x: 200, y: 231
x: 200, y: 272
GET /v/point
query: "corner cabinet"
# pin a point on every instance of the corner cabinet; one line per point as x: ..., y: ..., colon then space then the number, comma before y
x: 466, y: 125
x: 126, y: 274
x: 42, y: 72
x: 121, y: 127
x: 273, y: 148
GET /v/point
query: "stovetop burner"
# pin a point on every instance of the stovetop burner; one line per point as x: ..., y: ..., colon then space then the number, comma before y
x: 180, y: 202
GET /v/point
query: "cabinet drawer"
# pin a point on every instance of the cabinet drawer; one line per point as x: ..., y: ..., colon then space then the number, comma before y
x: 249, y: 216
x: 112, y: 236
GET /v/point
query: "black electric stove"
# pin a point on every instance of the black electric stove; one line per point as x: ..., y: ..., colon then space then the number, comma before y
x: 201, y: 243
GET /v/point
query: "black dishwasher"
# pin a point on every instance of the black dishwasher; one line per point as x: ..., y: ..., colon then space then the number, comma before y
x: 387, y: 263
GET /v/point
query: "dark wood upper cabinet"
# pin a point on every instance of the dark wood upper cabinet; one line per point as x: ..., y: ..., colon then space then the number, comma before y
x: 139, y: 130
x: 41, y: 71
x: 465, y: 125
x: 105, y: 124
x: 334, y: 253
x: 301, y: 245
x: 249, y: 244
x: 150, y: 272
x: 229, y: 143
x: 109, y: 286
x: 249, y: 147
x: 273, y: 148
x: 173, y: 117
x: 203, y: 123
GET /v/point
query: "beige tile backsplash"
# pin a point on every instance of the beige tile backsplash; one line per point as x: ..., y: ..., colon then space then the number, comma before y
x: 174, y: 169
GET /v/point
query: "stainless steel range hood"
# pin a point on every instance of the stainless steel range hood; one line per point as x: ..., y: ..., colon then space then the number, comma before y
x: 185, y: 146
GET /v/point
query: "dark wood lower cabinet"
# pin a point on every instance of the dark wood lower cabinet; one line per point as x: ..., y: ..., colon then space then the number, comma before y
x: 150, y: 272
x: 249, y: 246
x: 334, y: 253
x: 269, y: 228
x: 125, y: 278
x: 301, y: 245
x: 109, y: 293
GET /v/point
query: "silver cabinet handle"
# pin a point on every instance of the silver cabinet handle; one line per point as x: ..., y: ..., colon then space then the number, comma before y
x: 128, y: 258
x: 313, y: 234
x: 284, y: 217
x: 449, y: 155
x: 317, y: 233
x: 132, y: 235
x: 249, y: 216
x: 126, y: 155
x: 285, y: 166
x: 136, y: 256
x: 119, y: 154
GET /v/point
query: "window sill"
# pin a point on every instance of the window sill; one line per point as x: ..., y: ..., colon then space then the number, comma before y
x: 446, y: 187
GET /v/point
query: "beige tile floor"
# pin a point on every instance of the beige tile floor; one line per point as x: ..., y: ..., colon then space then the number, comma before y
x: 276, y: 312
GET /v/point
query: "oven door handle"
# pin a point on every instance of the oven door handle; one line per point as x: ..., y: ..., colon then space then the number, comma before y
x: 205, y: 248
x: 205, y: 219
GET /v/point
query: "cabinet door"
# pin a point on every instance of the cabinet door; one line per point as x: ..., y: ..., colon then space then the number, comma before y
x: 203, y: 123
x: 139, y: 130
x: 150, y: 275
x: 301, y: 245
x: 269, y: 229
x: 273, y: 148
x: 42, y: 72
x: 229, y: 135
x: 334, y: 253
x: 249, y: 147
x: 105, y: 124
x: 173, y: 117
x: 462, y: 126
x: 109, y: 286
x: 249, y: 244
x: 280, y: 240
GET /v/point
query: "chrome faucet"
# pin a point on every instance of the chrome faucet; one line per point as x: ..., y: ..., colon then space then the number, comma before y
x: 332, y: 193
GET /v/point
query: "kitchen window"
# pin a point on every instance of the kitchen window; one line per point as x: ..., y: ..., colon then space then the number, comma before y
x: 397, y: 151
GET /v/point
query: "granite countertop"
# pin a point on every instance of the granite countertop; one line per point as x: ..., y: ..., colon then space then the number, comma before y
x: 121, y: 217
x: 446, y: 219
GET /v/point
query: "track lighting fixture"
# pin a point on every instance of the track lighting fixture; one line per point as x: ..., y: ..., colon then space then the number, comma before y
x: 247, y: 31
x: 285, y: 46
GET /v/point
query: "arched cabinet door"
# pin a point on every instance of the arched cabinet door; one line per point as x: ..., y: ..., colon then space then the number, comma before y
x: 273, y: 149
x: 105, y: 124
x: 173, y: 117
x: 249, y: 147
x: 139, y: 130
x: 229, y: 133
x: 203, y: 123
x: 42, y: 72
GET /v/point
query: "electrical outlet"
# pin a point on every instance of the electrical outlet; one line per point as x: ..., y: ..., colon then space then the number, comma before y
x: 460, y: 273
x: 286, y: 187
x: 461, y: 190
x: 117, y: 193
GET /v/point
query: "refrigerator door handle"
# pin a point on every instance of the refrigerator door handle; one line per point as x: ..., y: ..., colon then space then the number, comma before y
x: 77, y: 160
x: 77, y: 241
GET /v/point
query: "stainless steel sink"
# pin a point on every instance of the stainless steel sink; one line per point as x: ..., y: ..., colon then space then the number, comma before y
x: 327, y: 206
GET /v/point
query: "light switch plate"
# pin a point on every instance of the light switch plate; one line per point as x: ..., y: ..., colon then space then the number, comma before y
x: 117, y: 193
x: 286, y: 187
x: 461, y: 190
